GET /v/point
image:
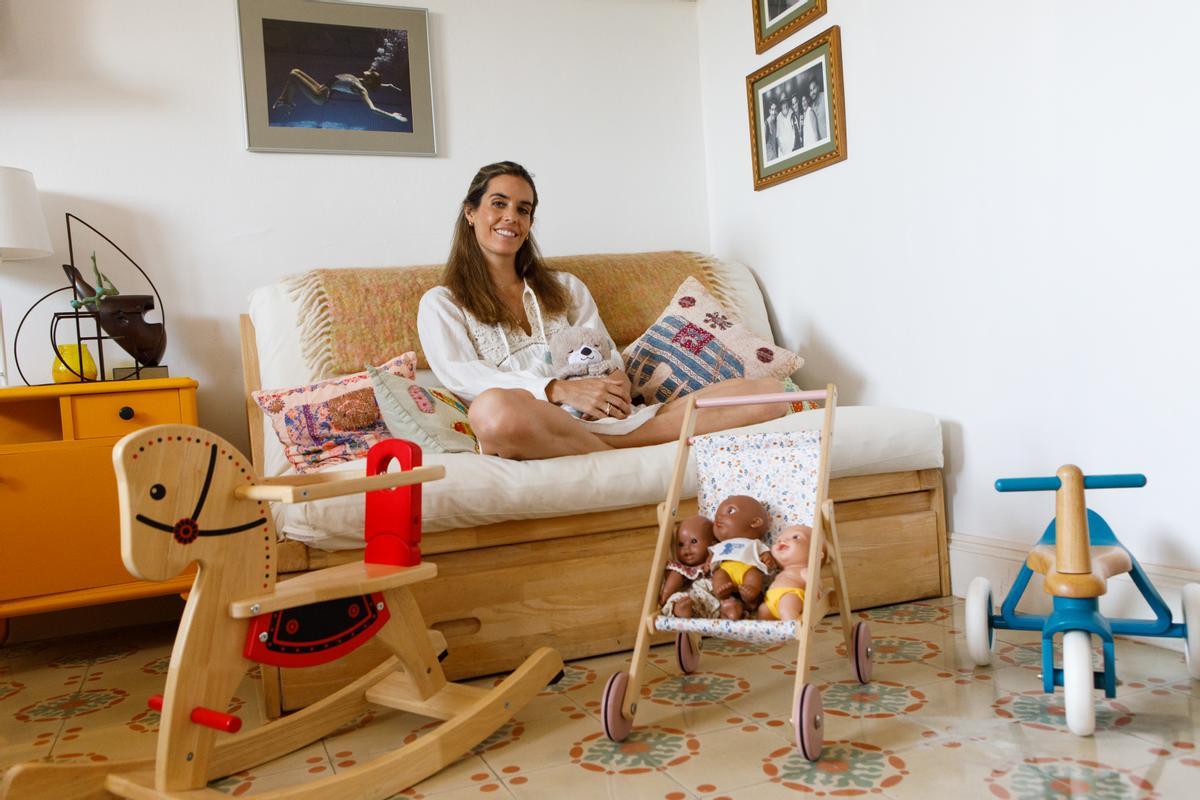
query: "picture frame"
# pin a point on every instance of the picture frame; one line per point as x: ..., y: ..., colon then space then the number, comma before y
x: 775, y: 20
x: 797, y: 97
x: 333, y: 77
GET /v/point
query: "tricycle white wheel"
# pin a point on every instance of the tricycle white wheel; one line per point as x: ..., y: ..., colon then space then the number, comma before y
x: 1078, y: 683
x: 1191, y: 621
x: 616, y: 727
x: 978, y: 619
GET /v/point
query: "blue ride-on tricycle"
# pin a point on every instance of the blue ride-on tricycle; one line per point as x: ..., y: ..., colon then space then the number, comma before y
x: 1076, y: 556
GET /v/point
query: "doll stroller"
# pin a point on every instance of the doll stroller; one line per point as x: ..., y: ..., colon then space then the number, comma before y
x: 788, y: 472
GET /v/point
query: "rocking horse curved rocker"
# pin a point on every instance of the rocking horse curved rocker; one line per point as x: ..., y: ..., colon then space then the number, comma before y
x: 187, y: 496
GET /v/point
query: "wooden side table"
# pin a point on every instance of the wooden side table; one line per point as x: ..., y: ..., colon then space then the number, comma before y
x: 60, y: 544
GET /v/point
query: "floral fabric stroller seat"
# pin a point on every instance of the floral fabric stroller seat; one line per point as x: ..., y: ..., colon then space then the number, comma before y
x: 788, y: 472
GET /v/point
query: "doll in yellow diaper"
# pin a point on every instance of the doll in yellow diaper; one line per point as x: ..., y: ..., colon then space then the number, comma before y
x: 739, y: 560
x: 785, y: 596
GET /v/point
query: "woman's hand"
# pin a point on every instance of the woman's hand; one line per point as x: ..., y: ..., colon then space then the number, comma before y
x: 596, y: 398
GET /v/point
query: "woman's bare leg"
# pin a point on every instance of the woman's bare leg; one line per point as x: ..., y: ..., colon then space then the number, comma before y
x: 512, y: 423
x: 316, y: 92
x: 664, y: 426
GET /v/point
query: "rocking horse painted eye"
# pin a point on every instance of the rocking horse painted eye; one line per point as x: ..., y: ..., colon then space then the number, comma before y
x: 158, y: 491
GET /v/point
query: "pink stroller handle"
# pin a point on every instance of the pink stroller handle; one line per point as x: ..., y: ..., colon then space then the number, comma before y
x: 760, y: 399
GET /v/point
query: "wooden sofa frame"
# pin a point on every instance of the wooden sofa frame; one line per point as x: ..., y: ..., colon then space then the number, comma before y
x: 576, y: 582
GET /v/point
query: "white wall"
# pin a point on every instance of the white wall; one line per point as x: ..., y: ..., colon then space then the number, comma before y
x: 129, y: 114
x: 1011, y: 244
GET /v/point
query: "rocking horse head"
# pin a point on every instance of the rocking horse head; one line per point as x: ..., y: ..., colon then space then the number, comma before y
x: 175, y: 486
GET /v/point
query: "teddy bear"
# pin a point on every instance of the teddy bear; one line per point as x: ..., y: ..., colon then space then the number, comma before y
x: 579, y: 352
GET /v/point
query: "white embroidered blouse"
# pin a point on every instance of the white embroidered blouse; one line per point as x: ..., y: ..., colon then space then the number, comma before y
x: 468, y: 356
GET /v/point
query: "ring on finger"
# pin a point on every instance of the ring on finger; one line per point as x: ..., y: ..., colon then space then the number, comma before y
x: 607, y: 407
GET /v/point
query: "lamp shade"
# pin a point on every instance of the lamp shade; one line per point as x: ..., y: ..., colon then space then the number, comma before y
x: 23, y: 231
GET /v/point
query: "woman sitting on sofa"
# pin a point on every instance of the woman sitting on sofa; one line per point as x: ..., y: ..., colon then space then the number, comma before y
x: 485, y: 333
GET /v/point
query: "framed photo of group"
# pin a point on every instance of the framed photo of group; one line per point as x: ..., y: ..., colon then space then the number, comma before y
x: 332, y: 77
x: 797, y: 111
x: 775, y: 20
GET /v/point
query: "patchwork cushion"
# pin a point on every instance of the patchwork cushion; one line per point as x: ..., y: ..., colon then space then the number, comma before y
x: 431, y: 416
x: 696, y: 342
x: 330, y: 421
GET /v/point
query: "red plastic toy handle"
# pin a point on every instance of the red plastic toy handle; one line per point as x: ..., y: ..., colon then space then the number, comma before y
x: 204, y: 716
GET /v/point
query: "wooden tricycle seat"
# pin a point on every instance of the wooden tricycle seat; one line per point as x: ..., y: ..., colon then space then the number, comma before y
x: 1105, y: 563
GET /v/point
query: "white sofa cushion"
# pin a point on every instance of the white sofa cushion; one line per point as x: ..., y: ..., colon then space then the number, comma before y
x: 479, y: 490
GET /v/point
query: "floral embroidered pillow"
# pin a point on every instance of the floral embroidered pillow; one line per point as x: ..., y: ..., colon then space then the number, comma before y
x: 695, y: 343
x: 429, y: 415
x: 330, y: 421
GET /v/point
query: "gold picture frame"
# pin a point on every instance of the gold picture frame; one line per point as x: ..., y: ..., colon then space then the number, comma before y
x: 797, y: 111
x: 775, y: 20
x: 333, y: 77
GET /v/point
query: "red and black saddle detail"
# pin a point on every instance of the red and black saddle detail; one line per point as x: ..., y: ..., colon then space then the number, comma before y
x: 317, y: 633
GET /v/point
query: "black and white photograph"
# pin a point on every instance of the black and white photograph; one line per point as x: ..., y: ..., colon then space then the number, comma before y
x: 795, y: 114
x: 796, y: 111
x: 775, y: 20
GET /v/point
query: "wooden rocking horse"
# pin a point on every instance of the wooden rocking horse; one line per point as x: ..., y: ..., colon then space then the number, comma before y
x: 187, y: 496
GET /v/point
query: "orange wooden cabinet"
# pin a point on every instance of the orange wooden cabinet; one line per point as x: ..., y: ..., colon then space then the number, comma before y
x: 60, y: 543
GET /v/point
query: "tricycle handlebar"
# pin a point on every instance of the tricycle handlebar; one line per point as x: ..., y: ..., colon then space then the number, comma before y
x: 1052, y: 484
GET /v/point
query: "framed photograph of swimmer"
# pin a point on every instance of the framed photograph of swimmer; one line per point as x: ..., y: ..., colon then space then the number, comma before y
x: 333, y: 77
x: 797, y: 111
x: 775, y: 20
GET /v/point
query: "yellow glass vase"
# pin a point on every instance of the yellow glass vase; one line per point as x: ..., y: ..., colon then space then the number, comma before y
x: 71, y: 353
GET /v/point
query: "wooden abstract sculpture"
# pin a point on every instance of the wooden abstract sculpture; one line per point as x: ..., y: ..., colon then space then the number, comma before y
x: 187, y: 496
x: 121, y: 316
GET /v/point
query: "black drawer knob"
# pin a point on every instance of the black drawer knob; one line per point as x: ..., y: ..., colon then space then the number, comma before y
x: 125, y: 413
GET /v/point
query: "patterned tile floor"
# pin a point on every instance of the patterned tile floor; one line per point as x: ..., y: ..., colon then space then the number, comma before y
x: 928, y: 726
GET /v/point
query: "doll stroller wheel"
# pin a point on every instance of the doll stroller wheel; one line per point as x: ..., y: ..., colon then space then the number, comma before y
x: 687, y: 653
x: 616, y: 727
x: 1191, y: 621
x: 1078, y: 682
x: 978, y: 618
x: 862, y: 657
x: 808, y: 718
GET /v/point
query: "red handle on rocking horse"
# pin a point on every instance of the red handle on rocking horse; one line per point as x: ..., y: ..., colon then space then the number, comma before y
x: 216, y: 720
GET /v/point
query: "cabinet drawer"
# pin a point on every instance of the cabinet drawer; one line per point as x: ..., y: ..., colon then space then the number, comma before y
x: 100, y: 416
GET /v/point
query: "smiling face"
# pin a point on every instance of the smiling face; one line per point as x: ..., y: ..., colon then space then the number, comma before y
x: 502, y: 219
x: 693, y: 540
x: 740, y: 517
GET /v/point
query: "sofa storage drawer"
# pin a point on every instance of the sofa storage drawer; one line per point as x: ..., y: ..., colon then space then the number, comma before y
x: 103, y: 415
x: 580, y: 595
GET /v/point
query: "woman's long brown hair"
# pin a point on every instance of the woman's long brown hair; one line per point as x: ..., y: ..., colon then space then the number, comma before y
x: 467, y: 275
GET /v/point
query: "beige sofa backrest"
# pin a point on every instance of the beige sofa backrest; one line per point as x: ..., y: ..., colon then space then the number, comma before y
x: 277, y: 312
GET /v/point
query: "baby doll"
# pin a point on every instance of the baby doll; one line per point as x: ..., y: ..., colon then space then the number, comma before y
x: 739, y: 559
x: 686, y: 589
x: 785, y: 597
